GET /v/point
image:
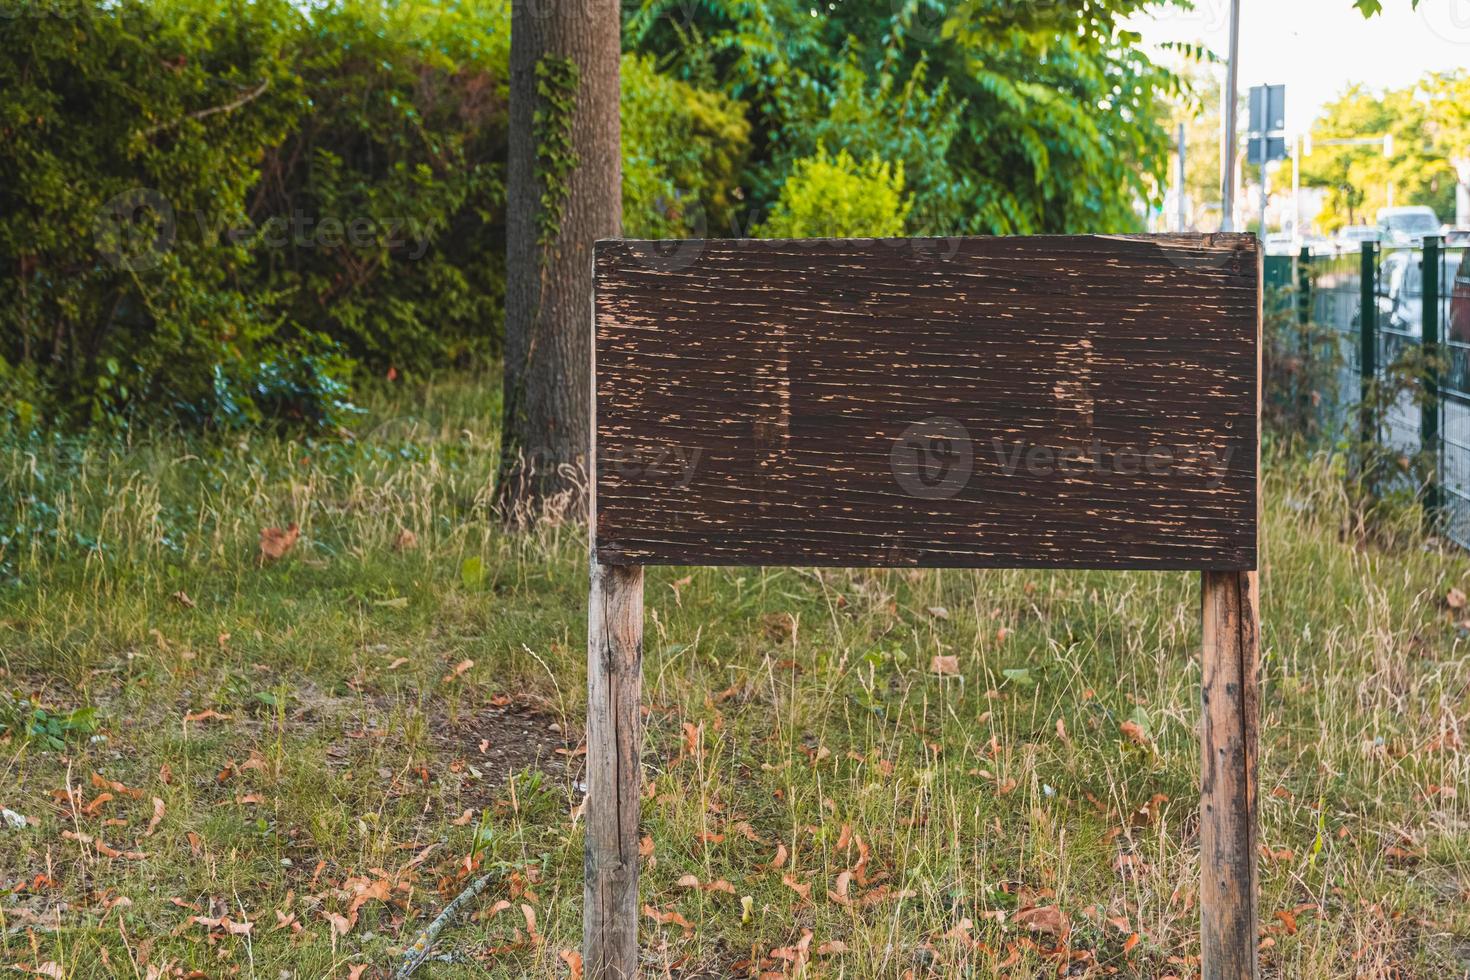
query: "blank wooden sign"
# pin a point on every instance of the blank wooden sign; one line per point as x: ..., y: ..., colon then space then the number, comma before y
x: 1085, y: 402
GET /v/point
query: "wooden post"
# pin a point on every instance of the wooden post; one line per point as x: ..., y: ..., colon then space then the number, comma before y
x: 614, y: 741
x: 1228, y: 837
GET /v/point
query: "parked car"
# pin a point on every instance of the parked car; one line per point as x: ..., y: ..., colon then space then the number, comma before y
x: 1457, y: 236
x: 1319, y: 244
x: 1406, y: 226
x: 1281, y: 243
x: 1351, y: 238
x: 1401, y: 291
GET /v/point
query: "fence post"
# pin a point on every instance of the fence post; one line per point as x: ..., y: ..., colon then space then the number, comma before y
x: 1429, y: 435
x: 1368, y: 345
x: 1304, y: 286
x: 1305, y: 341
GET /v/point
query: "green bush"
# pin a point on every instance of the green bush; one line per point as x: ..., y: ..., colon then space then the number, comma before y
x: 380, y: 217
x: 837, y: 197
x: 118, y: 124
x: 683, y: 152
x: 221, y: 212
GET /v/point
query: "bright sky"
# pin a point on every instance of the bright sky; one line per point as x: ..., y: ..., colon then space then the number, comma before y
x: 1317, y: 48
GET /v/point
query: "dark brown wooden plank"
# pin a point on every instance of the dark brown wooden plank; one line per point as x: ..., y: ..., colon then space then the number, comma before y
x: 1231, y: 663
x: 906, y: 402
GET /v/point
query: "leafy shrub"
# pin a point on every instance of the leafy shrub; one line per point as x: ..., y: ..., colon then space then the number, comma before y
x: 836, y: 197
x: 111, y: 293
x: 225, y: 213
x: 379, y: 219
x: 683, y: 152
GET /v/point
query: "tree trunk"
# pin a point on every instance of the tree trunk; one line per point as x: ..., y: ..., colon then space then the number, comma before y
x: 564, y: 192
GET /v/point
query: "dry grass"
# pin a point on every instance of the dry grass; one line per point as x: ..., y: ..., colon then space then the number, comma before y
x: 355, y: 770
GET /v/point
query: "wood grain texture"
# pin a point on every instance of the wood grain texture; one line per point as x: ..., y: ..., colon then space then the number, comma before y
x: 1229, y: 924
x: 983, y: 402
x: 614, y: 777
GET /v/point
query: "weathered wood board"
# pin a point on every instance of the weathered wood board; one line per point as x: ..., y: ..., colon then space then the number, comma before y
x: 1082, y: 402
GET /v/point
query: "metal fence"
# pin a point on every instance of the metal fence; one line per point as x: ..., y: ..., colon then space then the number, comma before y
x: 1380, y: 307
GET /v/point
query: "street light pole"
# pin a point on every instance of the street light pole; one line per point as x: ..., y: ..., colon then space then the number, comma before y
x: 1227, y: 110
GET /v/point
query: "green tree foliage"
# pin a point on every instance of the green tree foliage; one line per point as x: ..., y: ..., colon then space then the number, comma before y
x: 213, y: 210
x: 1007, y: 117
x: 837, y: 197
x: 1358, y: 178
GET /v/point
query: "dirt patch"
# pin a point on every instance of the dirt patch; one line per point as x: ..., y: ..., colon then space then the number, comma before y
x: 499, y: 741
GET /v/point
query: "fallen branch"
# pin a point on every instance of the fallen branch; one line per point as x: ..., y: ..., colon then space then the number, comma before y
x: 416, y: 952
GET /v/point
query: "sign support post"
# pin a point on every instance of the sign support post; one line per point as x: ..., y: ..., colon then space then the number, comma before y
x: 614, y: 775
x: 1230, y: 662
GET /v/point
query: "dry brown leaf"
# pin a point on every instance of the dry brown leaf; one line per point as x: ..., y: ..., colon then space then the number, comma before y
x: 1045, y: 918
x: 182, y: 598
x: 669, y: 918
x: 832, y: 947
x: 275, y: 543
x: 802, y: 889
x: 944, y: 666
x: 573, y: 960
x: 797, y: 953
x: 779, y: 861
x: 223, y: 922
x: 459, y: 669
x: 157, y: 817
x: 1134, y: 732
x: 341, y: 925
x: 208, y: 714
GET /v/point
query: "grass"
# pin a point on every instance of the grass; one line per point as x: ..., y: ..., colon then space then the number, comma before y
x: 329, y: 746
